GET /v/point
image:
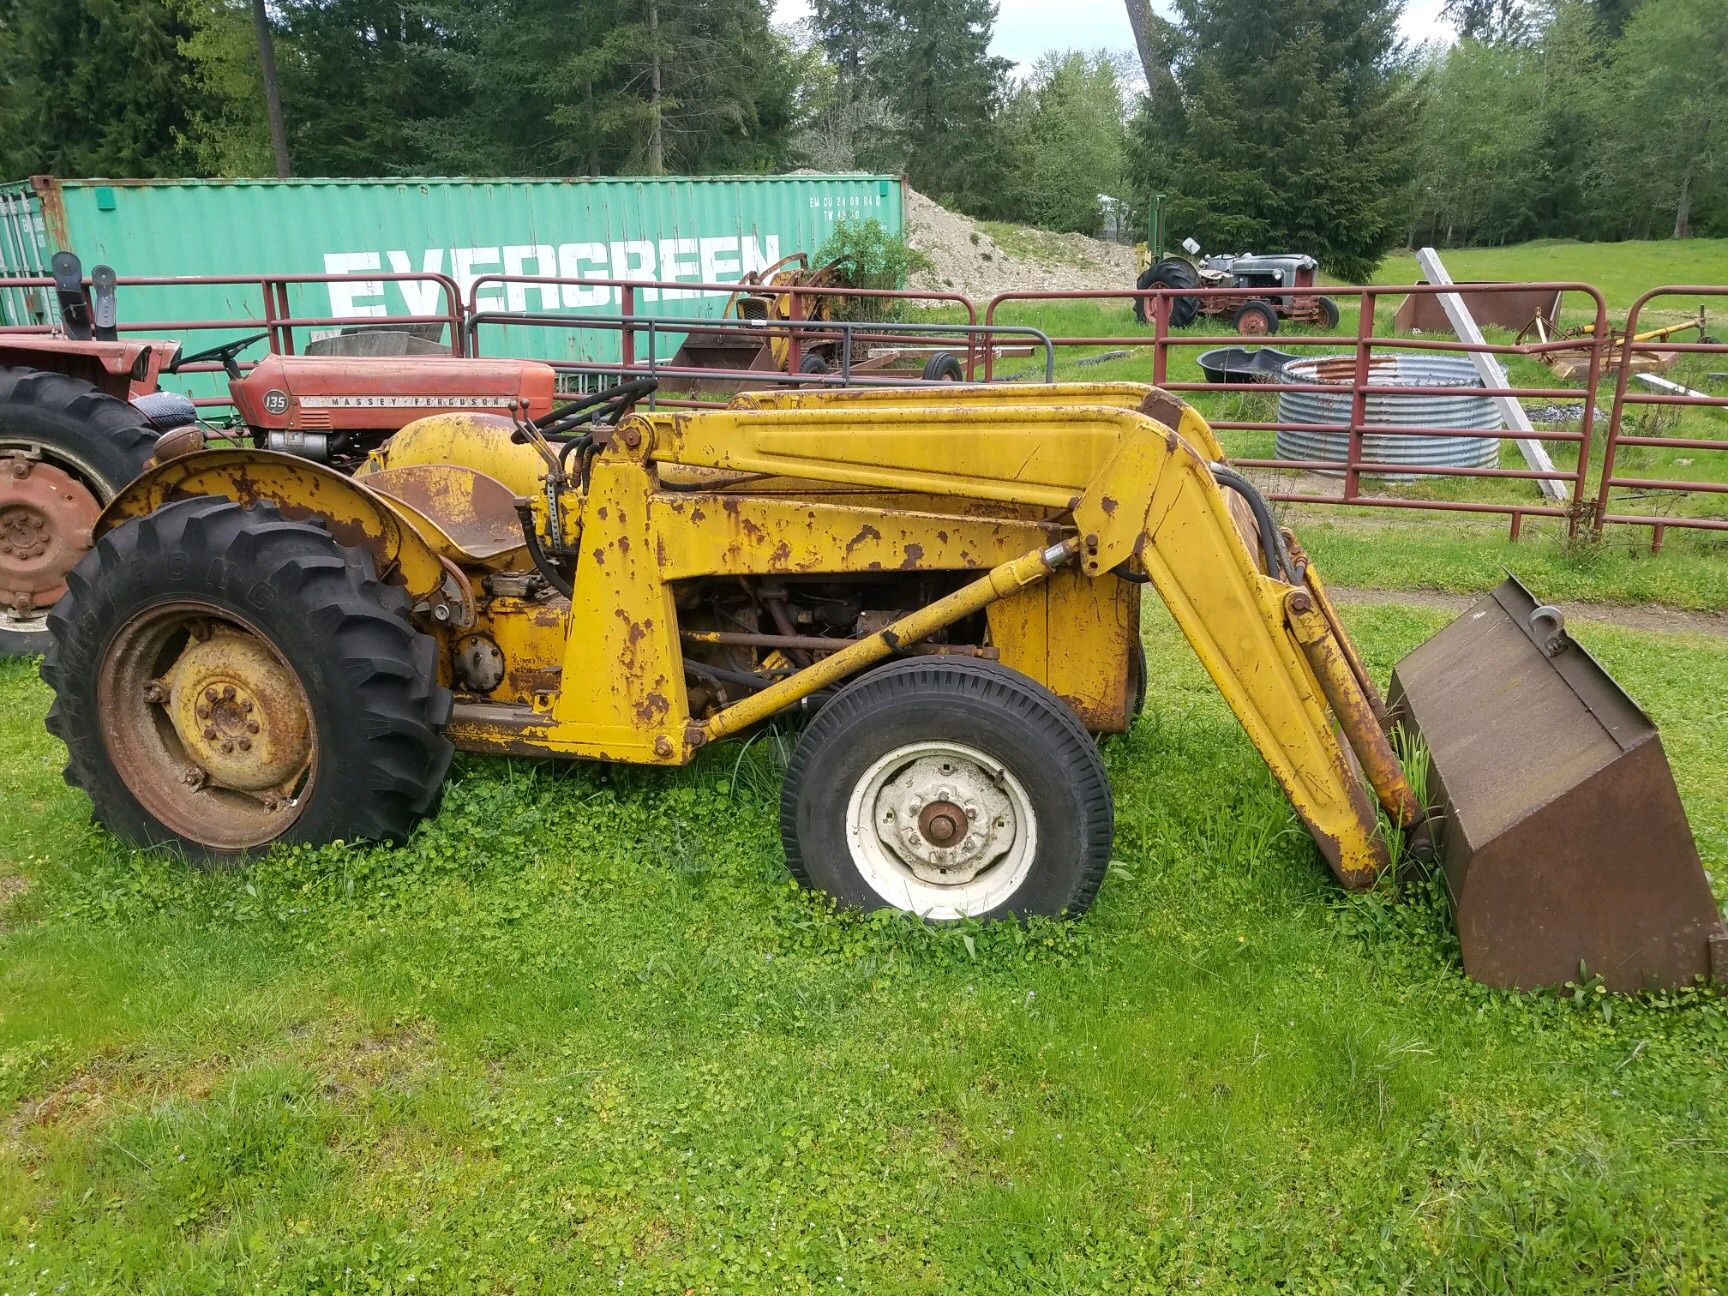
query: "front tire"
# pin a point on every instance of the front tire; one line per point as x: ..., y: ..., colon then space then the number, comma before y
x: 225, y: 679
x: 950, y: 789
x: 1255, y: 318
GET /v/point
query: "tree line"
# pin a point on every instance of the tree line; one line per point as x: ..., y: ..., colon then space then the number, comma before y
x: 1305, y: 125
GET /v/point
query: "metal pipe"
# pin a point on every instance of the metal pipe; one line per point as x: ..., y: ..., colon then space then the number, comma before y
x: 999, y: 582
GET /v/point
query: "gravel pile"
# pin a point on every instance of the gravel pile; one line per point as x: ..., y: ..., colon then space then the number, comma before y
x: 968, y: 261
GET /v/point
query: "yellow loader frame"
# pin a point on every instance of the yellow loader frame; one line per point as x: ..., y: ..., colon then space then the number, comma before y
x: 1056, y: 505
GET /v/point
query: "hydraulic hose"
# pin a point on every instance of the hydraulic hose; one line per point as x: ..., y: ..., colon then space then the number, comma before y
x: 1271, y: 538
x: 542, y: 562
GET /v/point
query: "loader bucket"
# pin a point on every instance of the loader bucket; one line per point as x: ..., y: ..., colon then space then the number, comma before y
x: 1560, y: 830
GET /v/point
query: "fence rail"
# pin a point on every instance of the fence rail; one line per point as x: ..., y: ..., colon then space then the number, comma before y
x: 1592, y: 483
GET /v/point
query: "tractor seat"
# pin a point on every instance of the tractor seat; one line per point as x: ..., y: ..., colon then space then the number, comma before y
x: 463, y: 514
x: 166, y: 410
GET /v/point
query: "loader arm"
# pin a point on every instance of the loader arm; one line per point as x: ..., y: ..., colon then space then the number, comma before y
x: 1138, y: 493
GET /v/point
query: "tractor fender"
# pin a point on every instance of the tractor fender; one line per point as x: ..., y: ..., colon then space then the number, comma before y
x: 303, y: 490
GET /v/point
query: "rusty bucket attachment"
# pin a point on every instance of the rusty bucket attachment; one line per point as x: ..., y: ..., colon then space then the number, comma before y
x: 1559, y: 826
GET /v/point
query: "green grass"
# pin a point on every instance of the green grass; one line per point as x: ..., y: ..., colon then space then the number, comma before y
x: 1621, y: 271
x: 583, y: 1035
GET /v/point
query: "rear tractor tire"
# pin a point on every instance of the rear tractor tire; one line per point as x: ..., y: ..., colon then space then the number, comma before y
x: 951, y: 789
x: 225, y: 679
x: 1171, y: 272
x: 66, y: 449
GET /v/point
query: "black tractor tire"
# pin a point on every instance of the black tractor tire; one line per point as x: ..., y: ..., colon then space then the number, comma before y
x: 96, y: 438
x: 883, y: 727
x: 814, y: 363
x: 1171, y: 272
x: 1328, y: 311
x: 368, y: 679
x: 1256, y: 318
x: 944, y: 366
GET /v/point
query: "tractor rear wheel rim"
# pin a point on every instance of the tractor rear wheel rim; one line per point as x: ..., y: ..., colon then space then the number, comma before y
x: 941, y: 829
x: 208, y: 725
x: 46, y: 516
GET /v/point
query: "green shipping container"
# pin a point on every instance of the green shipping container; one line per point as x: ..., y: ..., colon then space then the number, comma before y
x: 693, y: 230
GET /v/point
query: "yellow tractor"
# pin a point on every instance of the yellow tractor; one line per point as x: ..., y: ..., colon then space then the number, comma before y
x: 946, y: 581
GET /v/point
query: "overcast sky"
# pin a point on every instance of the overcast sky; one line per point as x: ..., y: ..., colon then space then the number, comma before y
x: 1027, y: 28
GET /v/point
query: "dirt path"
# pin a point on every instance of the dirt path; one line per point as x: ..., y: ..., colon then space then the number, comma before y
x: 1649, y: 617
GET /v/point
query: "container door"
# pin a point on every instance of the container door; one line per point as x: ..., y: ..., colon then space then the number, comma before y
x: 23, y: 253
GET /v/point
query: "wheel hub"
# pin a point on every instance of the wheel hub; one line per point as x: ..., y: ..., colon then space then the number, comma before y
x: 237, y: 710
x: 46, y: 516
x: 945, y: 818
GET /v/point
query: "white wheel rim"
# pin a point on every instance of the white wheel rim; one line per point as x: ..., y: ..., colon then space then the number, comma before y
x: 909, y: 842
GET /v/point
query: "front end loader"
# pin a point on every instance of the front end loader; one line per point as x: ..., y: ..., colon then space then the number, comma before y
x: 945, y: 583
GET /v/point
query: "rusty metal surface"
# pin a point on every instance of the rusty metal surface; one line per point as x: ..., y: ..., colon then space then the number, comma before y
x: 463, y: 513
x: 1561, y: 832
x: 207, y: 725
x: 299, y: 489
x: 1495, y: 303
x: 46, y: 517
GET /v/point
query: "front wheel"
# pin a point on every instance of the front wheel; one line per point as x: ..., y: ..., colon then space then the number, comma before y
x: 224, y: 678
x: 1255, y: 318
x: 949, y: 789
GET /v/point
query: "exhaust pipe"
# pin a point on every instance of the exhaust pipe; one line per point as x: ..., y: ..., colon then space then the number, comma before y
x: 1564, y: 844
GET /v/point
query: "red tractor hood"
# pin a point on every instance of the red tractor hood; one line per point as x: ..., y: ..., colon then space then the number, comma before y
x: 318, y: 393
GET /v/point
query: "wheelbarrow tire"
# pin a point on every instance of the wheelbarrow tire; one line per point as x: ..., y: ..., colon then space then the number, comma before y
x: 951, y: 750
x: 346, y: 687
x: 98, y: 440
x: 944, y: 366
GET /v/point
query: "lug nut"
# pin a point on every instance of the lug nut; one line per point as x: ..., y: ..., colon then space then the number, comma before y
x: 210, y: 734
x: 246, y: 705
x: 203, y: 710
x: 228, y: 693
x: 251, y: 726
x: 209, y: 695
x: 245, y: 744
x: 271, y: 801
x: 227, y: 747
x: 154, y: 692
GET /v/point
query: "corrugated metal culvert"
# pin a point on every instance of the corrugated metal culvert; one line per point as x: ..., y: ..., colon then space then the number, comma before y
x: 702, y: 229
x: 1403, y: 409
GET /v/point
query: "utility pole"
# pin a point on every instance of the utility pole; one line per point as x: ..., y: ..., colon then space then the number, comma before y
x: 272, y: 90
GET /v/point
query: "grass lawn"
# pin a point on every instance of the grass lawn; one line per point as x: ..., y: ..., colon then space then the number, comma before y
x: 1622, y: 271
x: 582, y: 1034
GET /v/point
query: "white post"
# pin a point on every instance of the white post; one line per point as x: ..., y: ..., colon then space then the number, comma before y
x: 1492, y: 374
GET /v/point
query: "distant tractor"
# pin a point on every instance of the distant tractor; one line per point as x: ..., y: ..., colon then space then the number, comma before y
x: 1252, y: 316
x: 1287, y: 279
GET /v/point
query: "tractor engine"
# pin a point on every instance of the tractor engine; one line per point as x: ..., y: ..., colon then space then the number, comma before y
x: 338, y: 409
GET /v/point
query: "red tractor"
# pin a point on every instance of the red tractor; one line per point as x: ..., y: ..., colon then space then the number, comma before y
x: 81, y: 411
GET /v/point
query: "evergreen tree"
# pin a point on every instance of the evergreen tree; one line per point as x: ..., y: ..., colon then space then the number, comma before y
x: 944, y: 86
x: 1284, y: 128
x: 93, y: 88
